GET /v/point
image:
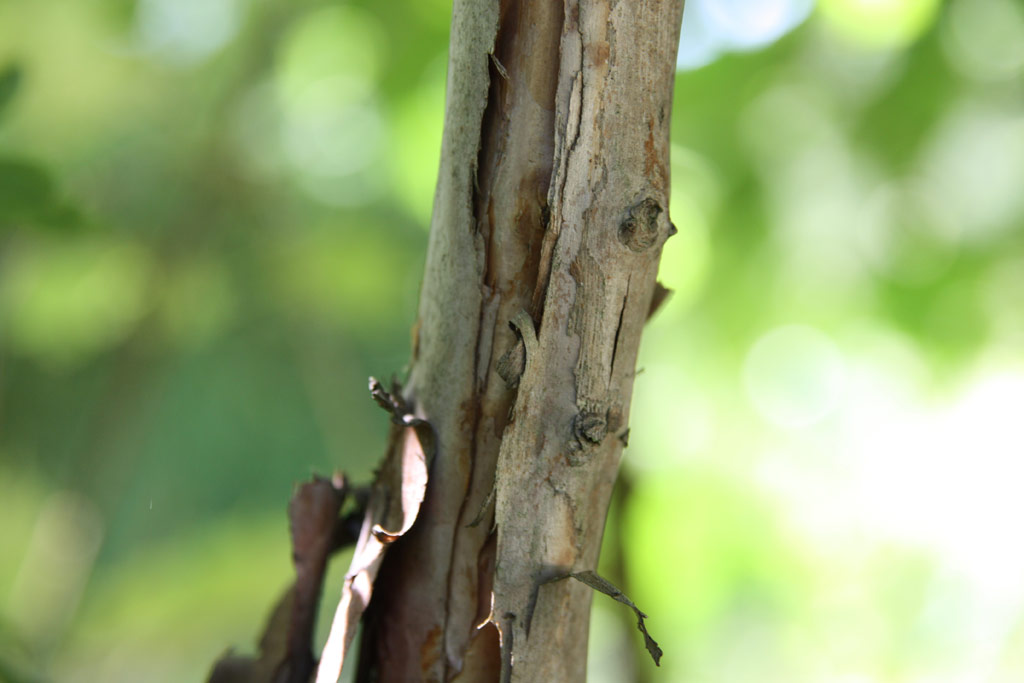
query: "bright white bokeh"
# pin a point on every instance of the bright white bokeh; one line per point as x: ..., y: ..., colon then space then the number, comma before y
x: 187, y: 31
x: 974, y: 163
x: 939, y: 477
x: 327, y: 135
x: 946, y: 475
x: 794, y: 376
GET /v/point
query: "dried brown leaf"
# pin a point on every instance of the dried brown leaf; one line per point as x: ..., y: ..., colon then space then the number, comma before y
x: 602, y: 585
x: 393, y: 507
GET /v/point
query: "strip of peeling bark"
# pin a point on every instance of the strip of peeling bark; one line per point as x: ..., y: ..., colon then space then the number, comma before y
x: 549, y: 214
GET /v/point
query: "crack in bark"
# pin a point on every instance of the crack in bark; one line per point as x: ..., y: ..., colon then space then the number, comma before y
x: 563, y: 151
x: 618, y: 331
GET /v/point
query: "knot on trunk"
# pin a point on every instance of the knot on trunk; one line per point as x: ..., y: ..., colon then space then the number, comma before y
x: 639, y: 229
x: 590, y: 427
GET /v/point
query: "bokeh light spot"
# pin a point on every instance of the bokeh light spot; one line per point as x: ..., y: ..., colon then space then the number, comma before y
x: 879, y: 24
x: 795, y: 376
x: 332, y: 130
x: 905, y: 233
x: 974, y: 164
x: 984, y: 39
x: 186, y: 31
x: 334, y: 42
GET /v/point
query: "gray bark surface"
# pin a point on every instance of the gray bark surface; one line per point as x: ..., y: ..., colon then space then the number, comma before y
x: 549, y: 218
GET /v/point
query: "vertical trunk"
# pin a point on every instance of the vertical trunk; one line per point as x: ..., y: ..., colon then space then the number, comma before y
x: 548, y: 224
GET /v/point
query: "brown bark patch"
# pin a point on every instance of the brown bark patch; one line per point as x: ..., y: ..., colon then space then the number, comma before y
x: 428, y: 651
x: 654, y: 169
x: 597, y: 53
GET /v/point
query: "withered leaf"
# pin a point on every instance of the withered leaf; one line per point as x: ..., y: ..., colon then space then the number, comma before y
x: 393, y: 506
x: 602, y: 585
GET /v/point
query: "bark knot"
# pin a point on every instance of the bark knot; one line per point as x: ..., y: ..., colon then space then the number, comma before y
x: 590, y: 427
x: 639, y: 229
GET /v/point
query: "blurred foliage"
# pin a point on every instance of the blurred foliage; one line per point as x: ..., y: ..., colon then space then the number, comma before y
x: 10, y: 79
x: 26, y: 189
x: 212, y: 222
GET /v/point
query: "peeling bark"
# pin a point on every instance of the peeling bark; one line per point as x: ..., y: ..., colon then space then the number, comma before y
x: 549, y: 218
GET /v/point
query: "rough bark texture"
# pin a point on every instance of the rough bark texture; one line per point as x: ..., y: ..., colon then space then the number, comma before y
x: 549, y: 219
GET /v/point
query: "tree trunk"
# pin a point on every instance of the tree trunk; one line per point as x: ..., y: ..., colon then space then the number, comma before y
x: 548, y: 224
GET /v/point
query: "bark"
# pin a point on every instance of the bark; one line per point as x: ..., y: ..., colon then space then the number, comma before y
x: 549, y: 218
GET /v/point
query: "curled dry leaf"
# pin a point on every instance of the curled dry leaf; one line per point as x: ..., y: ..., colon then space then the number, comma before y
x: 602, y: 585
x: 394, y: 503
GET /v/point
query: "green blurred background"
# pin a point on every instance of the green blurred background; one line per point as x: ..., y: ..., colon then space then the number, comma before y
x: 212, y: 222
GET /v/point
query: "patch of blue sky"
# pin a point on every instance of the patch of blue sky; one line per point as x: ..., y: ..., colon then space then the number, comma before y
x: 712, y: 28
